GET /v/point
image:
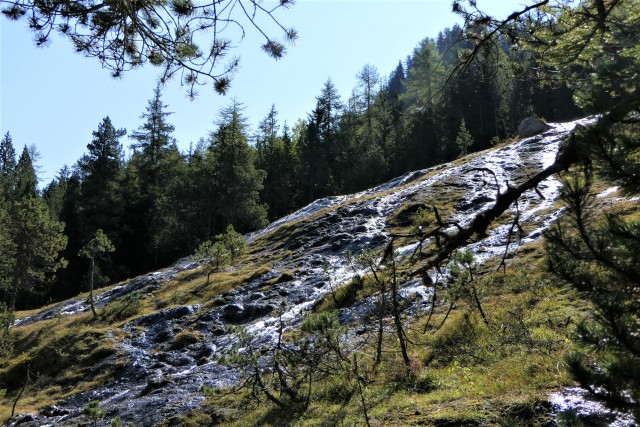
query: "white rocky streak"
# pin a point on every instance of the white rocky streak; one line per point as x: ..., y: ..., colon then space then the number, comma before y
x: 578, y: 400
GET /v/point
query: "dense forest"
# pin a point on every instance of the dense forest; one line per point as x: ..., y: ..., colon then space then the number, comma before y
x: 160, y: 203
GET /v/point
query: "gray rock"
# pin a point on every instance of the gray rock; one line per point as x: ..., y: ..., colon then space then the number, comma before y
x: 54, y: 411
x: 235, y: 313
x: 531, y: 126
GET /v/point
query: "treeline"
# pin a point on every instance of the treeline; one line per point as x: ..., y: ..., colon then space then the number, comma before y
x: 159, y: 203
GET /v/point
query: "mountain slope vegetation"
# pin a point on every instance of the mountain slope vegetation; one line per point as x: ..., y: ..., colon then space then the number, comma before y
x: 301, y: 328
x: 431, y: 299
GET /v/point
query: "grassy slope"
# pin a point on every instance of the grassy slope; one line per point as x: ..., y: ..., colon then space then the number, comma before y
x: 463, y: 372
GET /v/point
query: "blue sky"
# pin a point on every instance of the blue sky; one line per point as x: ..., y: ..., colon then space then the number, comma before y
x: 54, y: 98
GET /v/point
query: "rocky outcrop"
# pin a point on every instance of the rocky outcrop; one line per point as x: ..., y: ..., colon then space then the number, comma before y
x: 531, y: 126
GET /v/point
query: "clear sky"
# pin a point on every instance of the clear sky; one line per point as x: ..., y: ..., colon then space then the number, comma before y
x: 54, y: 98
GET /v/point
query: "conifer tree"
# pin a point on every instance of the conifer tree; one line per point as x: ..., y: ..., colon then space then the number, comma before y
x: 596, y: 249
x: 37, y: 241
x: 464, y: 140
x: 425, y: 78
x: 236, y: 181
x: 368, y: 80
x: 273, y: 156
x: 395, y: 86
x: 97, y: 248
x: 7, y: 164
x: 154, y: 136
x: 101, y: 168
x: 320, y: 145
x: 592, y: 248
x: 25, y: 175
x: 153, y: 227
x: 184, y: 39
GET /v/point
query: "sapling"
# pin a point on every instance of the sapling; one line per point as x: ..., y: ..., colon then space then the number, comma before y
x: 98, y: 247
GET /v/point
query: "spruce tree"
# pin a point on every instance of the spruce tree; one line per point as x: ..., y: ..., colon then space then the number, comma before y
x: 236, y: 181
x: 26, y: 183
x: 7, y: 164
x: 154, y: 231
x: 154, y: 136
x: 101, y: 198
x: 395, y: 86
x: 321, y: 146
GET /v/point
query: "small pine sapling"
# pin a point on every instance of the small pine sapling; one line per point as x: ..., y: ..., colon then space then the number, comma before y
x: 98, y: 247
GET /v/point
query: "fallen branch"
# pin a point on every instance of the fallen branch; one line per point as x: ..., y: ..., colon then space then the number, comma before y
x: 568, y: 154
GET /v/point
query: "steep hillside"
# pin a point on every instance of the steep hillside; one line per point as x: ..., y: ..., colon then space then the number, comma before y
x: 486, y: 348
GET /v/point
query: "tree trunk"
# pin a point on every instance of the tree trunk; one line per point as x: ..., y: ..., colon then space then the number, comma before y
x: 91, y: 275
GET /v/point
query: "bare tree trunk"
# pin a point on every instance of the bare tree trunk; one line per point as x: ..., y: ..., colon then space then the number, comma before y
x: 396, y: 318
x: 91, y: 276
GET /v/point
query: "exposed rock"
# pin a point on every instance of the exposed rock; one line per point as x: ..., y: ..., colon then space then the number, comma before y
x: 157, y: 381
x: 54, y: 411
x: 236, y: 313
x: 531, y: 126
x: 23, y: 419
x: 474, y: 204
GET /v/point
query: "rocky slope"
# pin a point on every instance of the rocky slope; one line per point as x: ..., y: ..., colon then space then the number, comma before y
x: 159, y: 380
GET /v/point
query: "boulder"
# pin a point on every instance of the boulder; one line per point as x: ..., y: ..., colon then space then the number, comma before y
x: 237, y: 313
x: 54, y: 411
x: 531, y: 126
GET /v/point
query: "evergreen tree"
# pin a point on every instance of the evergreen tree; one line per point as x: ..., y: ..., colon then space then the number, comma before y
x: 62, y: 196
x: 37, y: 241
x: 7, y: 165
x: 25, y: 176
x: 320, y: 146
x: 276, y: 156
x: 7, y: 248
x: 163, y: 35
x: 464, y: 140
x: 595, y: 249
x: 593, y: 46
x: 154, y: 234
x: 395, y: 86
x: 101, y: 168
x: 236, y: 182
x: 423, y: 95
x: 154, y: 136
x: 97, y: 248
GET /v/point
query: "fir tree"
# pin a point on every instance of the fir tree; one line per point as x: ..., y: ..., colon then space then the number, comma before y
x: 154, y: 136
